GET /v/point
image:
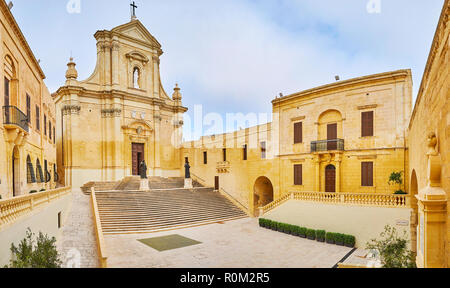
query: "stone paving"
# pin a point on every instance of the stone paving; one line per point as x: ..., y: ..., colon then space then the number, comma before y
x: 235, y: 244
x: 77, y: 244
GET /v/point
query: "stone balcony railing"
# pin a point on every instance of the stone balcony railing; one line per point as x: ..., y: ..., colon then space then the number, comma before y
x: 13, y: 209
x: 354, y: 199
x: 14, y: 118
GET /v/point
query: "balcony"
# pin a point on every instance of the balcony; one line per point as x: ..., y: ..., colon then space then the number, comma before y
x: 13, y: 117
x: 327, y: 145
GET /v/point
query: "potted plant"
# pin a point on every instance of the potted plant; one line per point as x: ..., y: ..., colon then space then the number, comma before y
x: 268, y: 224
x: 274, y: 225
x: 295, y: 231
x: 302, y: 232
x: 320, y: 235
x: 311, y: 234
x: 330, y: 237
x: 349, y: 241
x: 339, y: 239
x: 261, y: 222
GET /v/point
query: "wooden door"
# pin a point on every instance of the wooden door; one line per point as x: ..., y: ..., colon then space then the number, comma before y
x: 137, y: 152
x: 330, y: 179
x: 332, y: 137
x: 7, y: 116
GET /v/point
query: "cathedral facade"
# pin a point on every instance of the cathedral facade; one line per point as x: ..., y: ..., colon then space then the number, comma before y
x: 121, y: 115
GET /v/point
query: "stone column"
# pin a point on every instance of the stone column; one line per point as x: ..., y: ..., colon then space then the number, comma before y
x: 115, y: 63
x: 338, y: 161
x: 317, y: 174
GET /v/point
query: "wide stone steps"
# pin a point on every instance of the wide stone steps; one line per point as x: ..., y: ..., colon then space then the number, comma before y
x: 142, y: 212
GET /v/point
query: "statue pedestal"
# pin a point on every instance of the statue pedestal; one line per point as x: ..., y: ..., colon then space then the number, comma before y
x: 188, y: 184
x: 144, y: 185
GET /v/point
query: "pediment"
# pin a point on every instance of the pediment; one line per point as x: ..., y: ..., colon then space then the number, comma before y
x: 136, y: 30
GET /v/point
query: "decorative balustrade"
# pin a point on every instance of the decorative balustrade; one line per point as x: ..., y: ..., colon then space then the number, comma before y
x: 13, y: 116
x: 13, y: 209
x: 356, y: 199
x: 327, y: 145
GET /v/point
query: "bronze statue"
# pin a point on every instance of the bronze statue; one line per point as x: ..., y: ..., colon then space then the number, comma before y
x: 187, y: 168
x: 143, y: 170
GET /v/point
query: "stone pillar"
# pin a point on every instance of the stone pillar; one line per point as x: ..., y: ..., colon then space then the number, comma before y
x: 157, y: 157
x: 115, y: 63
x: 338, y: 161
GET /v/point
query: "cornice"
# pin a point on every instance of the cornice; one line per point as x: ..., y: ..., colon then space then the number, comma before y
x: 15, y: 27
x: 355, y: 82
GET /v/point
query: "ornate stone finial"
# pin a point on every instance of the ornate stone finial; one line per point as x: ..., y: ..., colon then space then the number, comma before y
x: 176, y: 96
x: 432, y: 143
x: 71, y: 73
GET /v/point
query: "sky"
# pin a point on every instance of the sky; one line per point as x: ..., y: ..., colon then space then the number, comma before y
x: 236, y: 56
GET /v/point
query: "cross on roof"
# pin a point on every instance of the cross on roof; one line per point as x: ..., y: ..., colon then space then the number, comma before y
x: 133, y: 9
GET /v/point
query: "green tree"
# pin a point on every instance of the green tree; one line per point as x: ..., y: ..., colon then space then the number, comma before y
x: 393, y: 249
x: 41, y: 253
x: 396, y: 179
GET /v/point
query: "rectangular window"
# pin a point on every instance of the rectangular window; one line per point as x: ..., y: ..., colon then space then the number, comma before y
x: 224, y: 154
x: 367, y: 124
x: 6, y: 92
x: 28, y: 108
x: 298, y: 174
x: 38, y: 119
x: 45, y: 125
x: 263, y: 150
x: 245, y: 152
x: 54, y: 135
x: 298, y: 132
x: 205, y: 157
x: 367, y: 174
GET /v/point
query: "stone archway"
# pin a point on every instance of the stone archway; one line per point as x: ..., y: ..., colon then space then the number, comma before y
x: 16, y: 172
x: 414, y: 190
x: 262, y: 193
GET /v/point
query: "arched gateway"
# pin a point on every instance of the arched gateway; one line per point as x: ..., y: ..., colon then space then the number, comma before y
x: 262, y: 193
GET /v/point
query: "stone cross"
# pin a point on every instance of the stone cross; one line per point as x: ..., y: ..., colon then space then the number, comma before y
x: 133, y: 10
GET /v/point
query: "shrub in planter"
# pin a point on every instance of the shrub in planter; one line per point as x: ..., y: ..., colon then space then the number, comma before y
x: 349, y: 241
x: 42, y: 190
x: 311, y: 234
x: 274, y: 225
x: 320, y: 235
x: 268, y: 224
x: 286, y: 228
x: 33, y: 191
x: 280, y: 227
x: 302, y: 232
x: 261, y: 222
x: 339, y: 239
x: 330, y: 237
x: 291, y: 229
x: 295, y: 230
x: 400, y: 192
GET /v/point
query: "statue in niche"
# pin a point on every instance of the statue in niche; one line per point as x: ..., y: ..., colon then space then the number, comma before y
x: 431, y: 143
x: 136, y: 78
x: 143, y: 170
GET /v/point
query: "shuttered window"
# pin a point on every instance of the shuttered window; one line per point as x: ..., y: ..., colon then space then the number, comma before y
x: 298, y: 132
x: 45, y: 125
x: 205, y: 157
x: 298, y: 174
x: 31, y: 177
x: 28, y: 108
x: 224, y: 155
x: 38, y: 119
x: 244, y: 151
x: 39, y: 173
x: 367, y: 124
x: 367, y: 174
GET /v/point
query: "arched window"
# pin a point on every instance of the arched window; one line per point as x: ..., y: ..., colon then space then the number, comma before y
x: 31, y: 177
x: 39, y: 173
x: 136, y: 78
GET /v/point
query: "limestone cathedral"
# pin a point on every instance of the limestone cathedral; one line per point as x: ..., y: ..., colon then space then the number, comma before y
x: 121, y: 114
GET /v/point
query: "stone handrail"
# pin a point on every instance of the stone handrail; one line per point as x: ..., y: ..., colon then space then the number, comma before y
x: 101, y: 247
x: 234, y: 201
x: 362, y: 199
x: 14, y: 208
x: 198, y: 179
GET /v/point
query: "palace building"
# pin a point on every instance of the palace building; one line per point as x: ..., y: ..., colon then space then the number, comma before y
x: 121, y: 114
x: 28, y: 121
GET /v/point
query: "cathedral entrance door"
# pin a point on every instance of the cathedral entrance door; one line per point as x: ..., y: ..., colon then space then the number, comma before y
x: 137, y: 152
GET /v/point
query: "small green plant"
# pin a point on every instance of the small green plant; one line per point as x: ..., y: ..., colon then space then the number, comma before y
x: 274, y: 225
x: 33, y: 191
x: 295, y: 231
x: 330, y: 237
x: 41, y: 253
x: 302, y: 232
x: 311, y: 234
x: 396, y: 179
x: 320, y: 235
x: 393, y: 249
x: 349, y: 241
x: 42, y: 190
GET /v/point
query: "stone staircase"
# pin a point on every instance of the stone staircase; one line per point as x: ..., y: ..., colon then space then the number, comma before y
x: 130, y: 212
x: 99, y: 186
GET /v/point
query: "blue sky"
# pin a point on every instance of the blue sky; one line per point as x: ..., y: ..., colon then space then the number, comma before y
x: 237, y: 55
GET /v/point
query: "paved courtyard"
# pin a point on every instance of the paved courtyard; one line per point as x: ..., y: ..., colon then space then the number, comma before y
x: 235, y: 244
